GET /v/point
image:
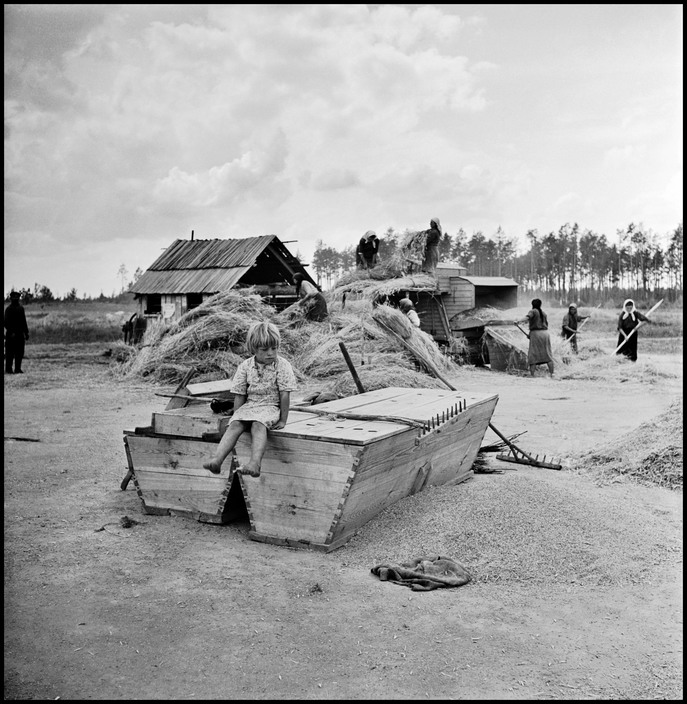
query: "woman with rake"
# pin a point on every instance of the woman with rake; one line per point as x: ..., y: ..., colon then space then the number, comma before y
x: 262, y: 387
x: 628, y: 320
x: 539, y: 351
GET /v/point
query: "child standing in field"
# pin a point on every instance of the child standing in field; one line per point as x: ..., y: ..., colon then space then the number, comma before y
x: 262, y: 387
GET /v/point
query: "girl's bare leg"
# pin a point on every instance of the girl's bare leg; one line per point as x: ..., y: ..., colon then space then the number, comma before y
x: 258, y: 445
x: 226, y: 445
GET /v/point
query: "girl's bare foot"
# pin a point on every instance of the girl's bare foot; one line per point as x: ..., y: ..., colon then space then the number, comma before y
x: 213, y: 466
x: 251, y: 469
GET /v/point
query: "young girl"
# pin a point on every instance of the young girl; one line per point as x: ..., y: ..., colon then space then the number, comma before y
x: 262, y: 387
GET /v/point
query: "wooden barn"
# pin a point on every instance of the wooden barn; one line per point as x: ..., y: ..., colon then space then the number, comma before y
x: 189, y: 271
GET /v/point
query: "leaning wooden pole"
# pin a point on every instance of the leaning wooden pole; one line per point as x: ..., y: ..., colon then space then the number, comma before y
x: 421, y: 358
x: 354, y: 374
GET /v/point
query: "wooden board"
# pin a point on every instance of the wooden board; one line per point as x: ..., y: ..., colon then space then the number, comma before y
x: 414, y: 404
x: 218, y: 389
x: 343, y: 430
x: 191, y: 421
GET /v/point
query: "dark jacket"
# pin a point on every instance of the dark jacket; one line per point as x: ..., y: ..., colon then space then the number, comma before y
x: 15, y: 320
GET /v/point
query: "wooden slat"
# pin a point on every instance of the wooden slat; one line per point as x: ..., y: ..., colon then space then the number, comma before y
x: 344, y: 430
x: 178, y: 456
x: 191, y: 421
x: 415, y: 404
x: 183, y: 492
x: 210, y: 388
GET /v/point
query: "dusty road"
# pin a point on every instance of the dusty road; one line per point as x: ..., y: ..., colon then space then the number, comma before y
x: 175, y: 609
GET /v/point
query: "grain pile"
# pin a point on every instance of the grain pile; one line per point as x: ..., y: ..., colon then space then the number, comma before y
x: 517, y: 528
x: 652, y: 454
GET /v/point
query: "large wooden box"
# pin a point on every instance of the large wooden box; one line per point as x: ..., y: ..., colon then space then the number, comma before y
x: 330, y: 470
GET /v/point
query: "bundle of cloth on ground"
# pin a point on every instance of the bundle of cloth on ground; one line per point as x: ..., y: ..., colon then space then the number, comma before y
x: 424, y: 573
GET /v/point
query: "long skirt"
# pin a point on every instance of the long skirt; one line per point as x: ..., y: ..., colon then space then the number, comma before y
x: 629, y: 349
x: 540, y: 347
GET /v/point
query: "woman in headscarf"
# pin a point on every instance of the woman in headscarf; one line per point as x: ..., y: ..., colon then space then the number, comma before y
x: 366, y: 252
x: 434, y: 234
x: 540, y: 343
x: 406, y: 306
x: 311, y: 299
x: 628, y: 320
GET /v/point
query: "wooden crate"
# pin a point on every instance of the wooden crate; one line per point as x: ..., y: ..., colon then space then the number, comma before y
x: 329, y: 471
x: 325, y: 476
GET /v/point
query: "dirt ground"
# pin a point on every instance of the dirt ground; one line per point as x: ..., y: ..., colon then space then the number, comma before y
x: 171, y: 608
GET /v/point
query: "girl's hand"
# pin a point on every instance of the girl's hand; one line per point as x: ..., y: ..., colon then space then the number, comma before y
x: 279, y: 425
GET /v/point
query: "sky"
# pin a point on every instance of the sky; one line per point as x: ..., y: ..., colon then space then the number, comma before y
x: 130, y: 126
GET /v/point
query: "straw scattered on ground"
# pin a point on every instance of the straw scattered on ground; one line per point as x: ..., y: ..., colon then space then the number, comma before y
x: 652, y: 454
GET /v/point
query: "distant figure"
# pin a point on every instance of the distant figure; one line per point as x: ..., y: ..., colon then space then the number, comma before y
x: 16, y: 333
x: 406, y: 306
x: 312, y: 300
x: 540, y: 343
x: 366, y: 251
x: 262, y: 387
x: 134, y: 328
x: 570, y: 320
x: 431, y: 258
x: 628, y: 320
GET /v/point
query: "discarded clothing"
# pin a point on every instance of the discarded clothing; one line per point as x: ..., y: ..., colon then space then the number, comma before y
x: 424, y: 573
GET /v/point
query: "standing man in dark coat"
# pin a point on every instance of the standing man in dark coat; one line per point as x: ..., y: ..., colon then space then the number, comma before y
x: 16, y: 332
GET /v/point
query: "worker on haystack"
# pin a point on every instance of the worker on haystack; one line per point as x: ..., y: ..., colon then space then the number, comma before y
x: 312, y: 300
x: 406, y: 306
x: 366, y: 251
x: 570, y: 321
x: 431, y: 259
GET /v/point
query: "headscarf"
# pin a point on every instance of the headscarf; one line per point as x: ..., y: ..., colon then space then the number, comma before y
x: 631, y: 314
x: 572, y: 305
x: 370, y: 234
x: 437, y: 224
x: 405, y: 304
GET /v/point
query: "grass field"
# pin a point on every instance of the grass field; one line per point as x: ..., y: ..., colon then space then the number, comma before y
x: 64, y: 323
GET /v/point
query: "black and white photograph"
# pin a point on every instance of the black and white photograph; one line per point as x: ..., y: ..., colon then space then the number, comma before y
x: 343, y: 352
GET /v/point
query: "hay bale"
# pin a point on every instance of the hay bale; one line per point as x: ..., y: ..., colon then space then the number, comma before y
x: 394, y: 320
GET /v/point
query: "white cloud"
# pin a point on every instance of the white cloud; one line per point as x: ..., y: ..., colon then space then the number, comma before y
x: 143, y: 122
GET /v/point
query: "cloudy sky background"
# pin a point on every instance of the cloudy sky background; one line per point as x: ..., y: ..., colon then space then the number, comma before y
x: 128, y: 126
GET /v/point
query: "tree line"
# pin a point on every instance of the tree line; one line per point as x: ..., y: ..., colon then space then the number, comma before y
x: 571, y: 262
x: 42, y: 294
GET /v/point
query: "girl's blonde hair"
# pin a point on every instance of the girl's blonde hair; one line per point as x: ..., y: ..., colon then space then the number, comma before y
x: 262, y: 335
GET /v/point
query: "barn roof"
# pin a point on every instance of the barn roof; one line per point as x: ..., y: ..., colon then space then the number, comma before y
x: 489, y: 280
x: 209, y: 266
